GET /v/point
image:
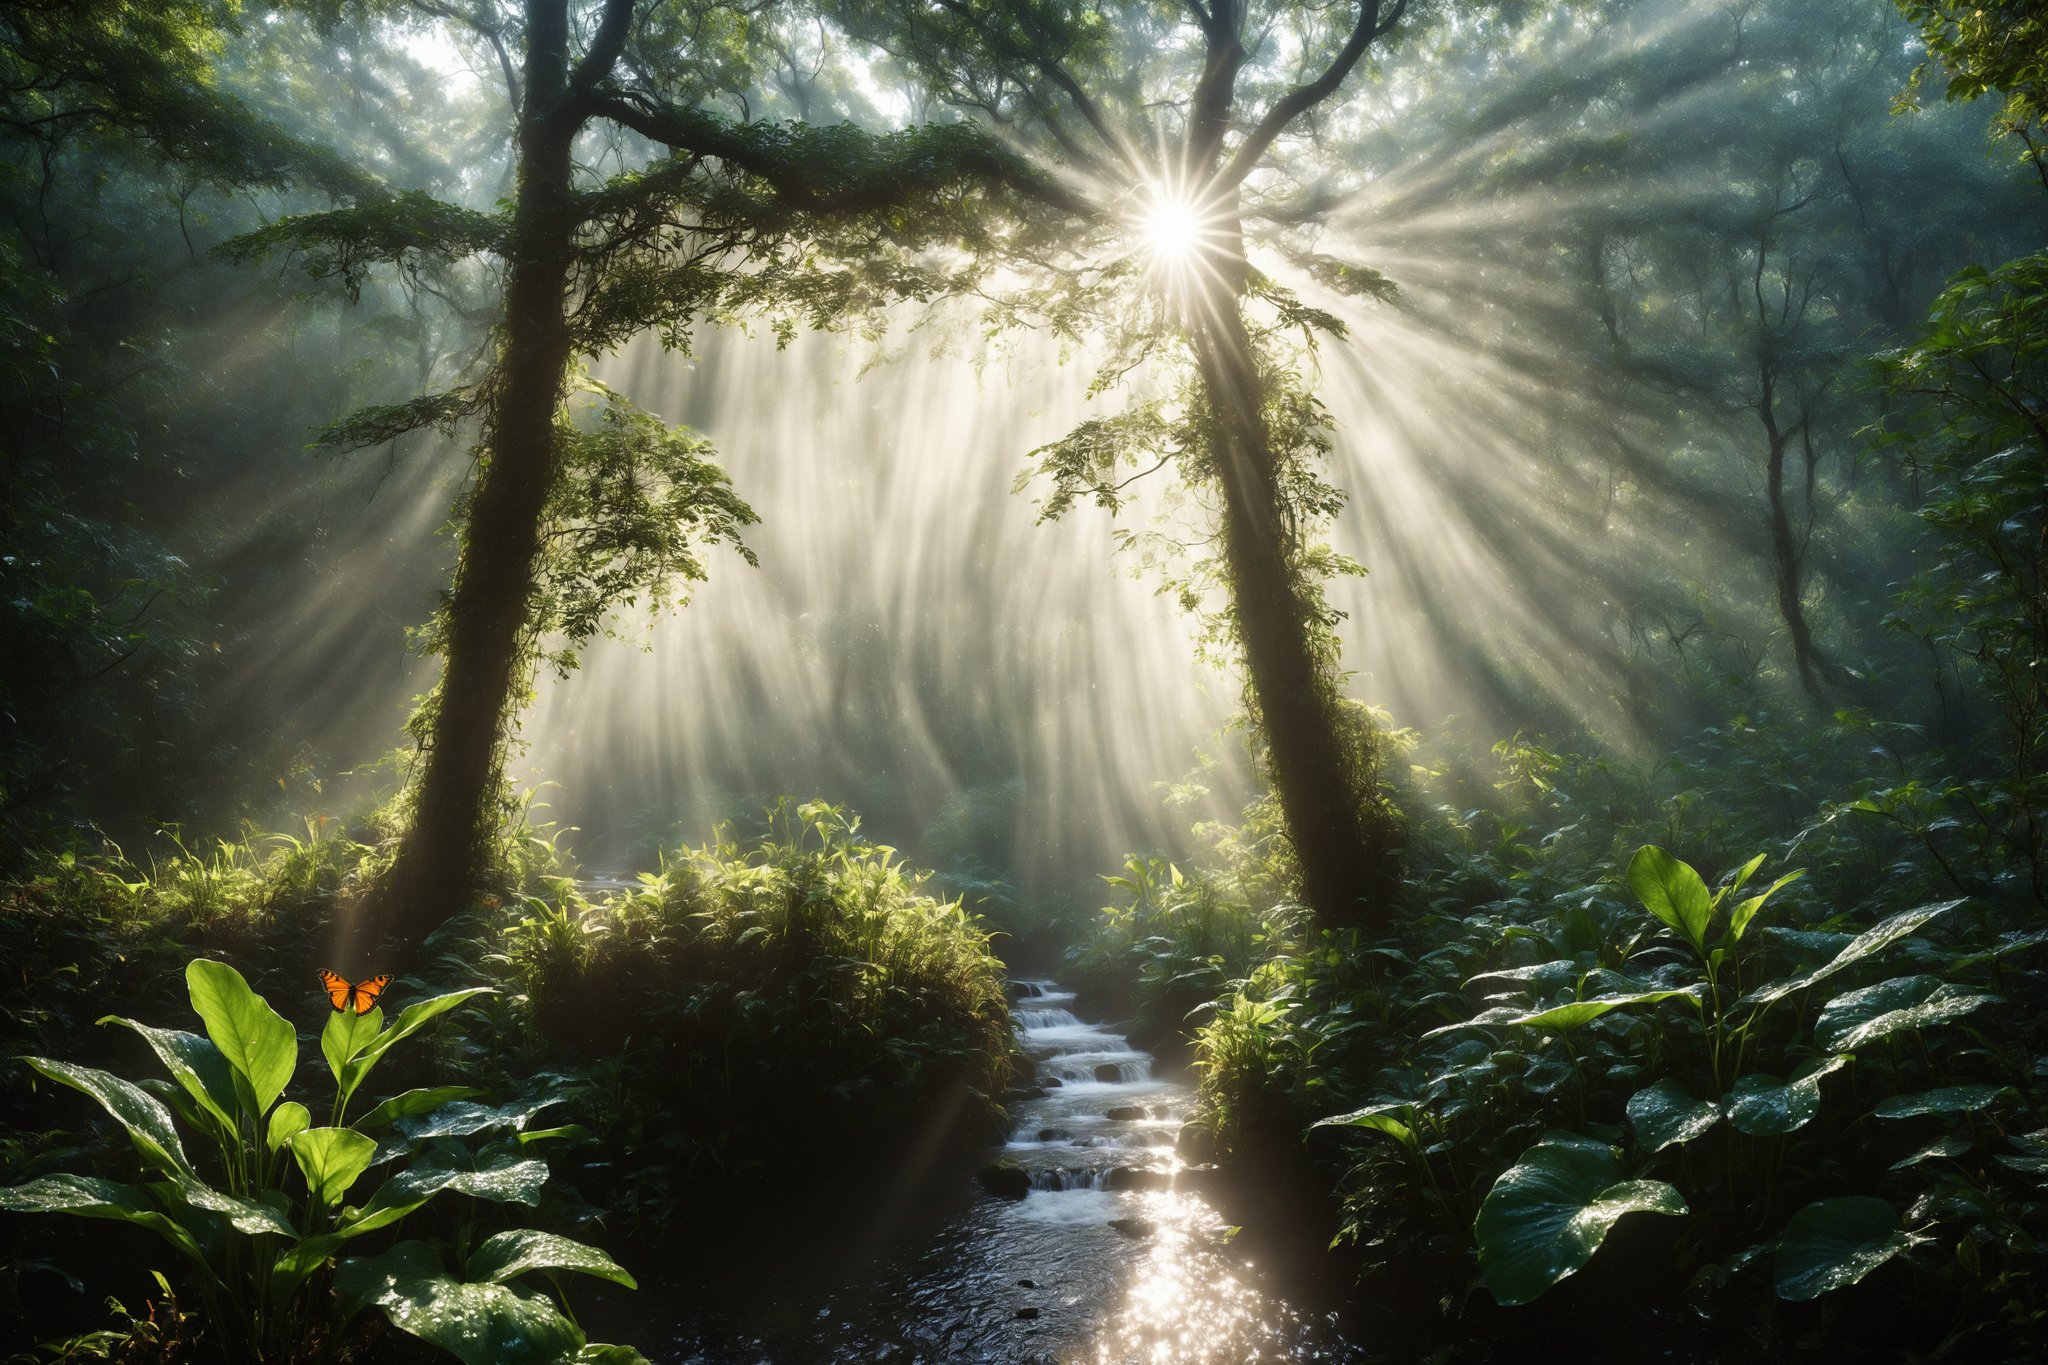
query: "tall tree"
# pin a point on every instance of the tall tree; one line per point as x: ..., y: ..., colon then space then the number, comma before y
x: 569, y: 516
x: 1180, y: 116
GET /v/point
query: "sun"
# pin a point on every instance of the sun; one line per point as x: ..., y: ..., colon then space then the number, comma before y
x: 1171, y: 226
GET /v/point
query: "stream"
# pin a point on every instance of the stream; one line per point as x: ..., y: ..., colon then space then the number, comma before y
x: 1101, y: 1259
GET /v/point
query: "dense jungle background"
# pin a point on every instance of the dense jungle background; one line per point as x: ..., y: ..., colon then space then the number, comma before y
x: 1023, y: 680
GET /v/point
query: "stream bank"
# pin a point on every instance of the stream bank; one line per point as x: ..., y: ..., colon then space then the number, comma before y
x: 1086, y: 1237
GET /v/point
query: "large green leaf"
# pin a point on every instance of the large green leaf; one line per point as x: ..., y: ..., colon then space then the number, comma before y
x: 1764, y: 1106
x: 1951, y: 1099
x: 479, y: 1324
x: 196, y: 1064
x: 1866, y: 944
x: 1673, y: 892
x: 411, y: 1020
x: 1548, y: 1214
x: 464, y: 1119
x: 84, y: 1197
x: 1849, y: 1021
x: 504, y: 1177
x: 332, y: 1160
x: 1564, y: 1018
x: 514, y: 1253
x: 346, y: 1034
x: 1664, y: 1114
x: 135, y: 1109
x: 1377, y: 1117
x: 259, y: 1043
x: 1834, y: 1243
x: 412, y: 1102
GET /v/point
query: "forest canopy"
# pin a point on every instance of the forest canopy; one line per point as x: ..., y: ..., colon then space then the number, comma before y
x: 660, y: 560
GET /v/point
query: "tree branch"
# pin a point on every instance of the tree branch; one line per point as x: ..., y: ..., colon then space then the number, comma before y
x: 1370, y: 28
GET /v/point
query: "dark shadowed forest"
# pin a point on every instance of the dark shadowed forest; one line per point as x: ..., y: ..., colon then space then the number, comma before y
x: 796, y: 681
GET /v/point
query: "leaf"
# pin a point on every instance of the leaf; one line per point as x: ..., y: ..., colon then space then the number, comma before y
x: 597, y: 1354
x: 411, y: 1020
x: 1905, y: 1002
x: 332, y: 1159
x: 1745, y: 911
x: 479, y: 1324
x: 412, y: 1102
x: 504, y: 1178
x: 1951, y: 1099
x: 1764, y: 1106
x: 84, y: 1197
x: 195, y: 1063
x: 1942, y: 1148
x: 1673, y: 892
x: 1563, y: 1018
x: 135, y: 1109
x: 1548, y: 1214
x: 1871, y: 941
x: 464, y: 1119
x: 1378, y: 1117
x: 1832, y: 1244
x: 259, y: 1043
x: 514, y: 1253
x: 1665, y: 1114
x: 286, y: 1120
x: 347, y: 1034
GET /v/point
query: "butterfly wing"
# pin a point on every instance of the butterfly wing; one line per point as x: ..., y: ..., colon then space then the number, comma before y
x: 366, y: 993
x: 337, y: 988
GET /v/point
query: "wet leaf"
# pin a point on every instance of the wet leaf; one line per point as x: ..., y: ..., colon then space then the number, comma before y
x: 195, y: 1063
x: 1764, y: 1106
x: 1867, y: 944
x: 1905, y: 1002
x: 1832, y: 1244
x: 1548, y: 1214
x: 514, y: 1253
x: 1379, y: 1117
x: 1951, y: 1099
x: 1665, y: 1114
x: 84, y: 1197
x: 258, y: 1042
x: 478, y: 1324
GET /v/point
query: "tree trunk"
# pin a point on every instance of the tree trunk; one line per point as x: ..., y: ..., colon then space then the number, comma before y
x: 487, y: 611
x: 1349, y: 865
x: 1784, y: 547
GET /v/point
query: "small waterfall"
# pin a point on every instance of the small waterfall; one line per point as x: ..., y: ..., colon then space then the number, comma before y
x: 1034, y: 1021
x: 1054, y: 1179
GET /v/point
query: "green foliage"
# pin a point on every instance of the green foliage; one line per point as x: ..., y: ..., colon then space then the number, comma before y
x: 259, y: 1230
x: 634, y: 504
x: 1546, y: 1215
x: 1970, y: 393
x: 743, y: 997
x: 1985, y: 47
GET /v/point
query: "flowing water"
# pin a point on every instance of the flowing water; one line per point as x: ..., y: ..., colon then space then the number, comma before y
x: 1103, y: 1259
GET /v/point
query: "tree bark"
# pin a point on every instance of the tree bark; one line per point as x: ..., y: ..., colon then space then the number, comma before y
x: 487, y: 611
x: 1784, y: 546
x: 1316, y: 762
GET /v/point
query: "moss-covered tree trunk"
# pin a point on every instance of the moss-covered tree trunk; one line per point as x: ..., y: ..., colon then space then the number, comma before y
x: 485, y: 619
x: 1318, y: 764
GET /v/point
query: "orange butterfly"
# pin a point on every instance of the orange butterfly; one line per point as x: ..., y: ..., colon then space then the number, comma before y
x: 362, y: 995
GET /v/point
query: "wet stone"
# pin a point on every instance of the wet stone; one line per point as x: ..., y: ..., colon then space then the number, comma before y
x: 1125, y: 1113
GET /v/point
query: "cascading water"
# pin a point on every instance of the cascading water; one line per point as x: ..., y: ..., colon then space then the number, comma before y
x: 1102, y: 1253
